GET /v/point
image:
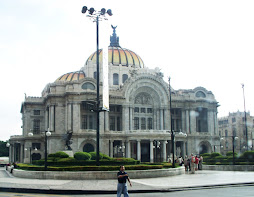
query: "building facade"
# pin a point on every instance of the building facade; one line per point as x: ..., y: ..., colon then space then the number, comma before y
x: 138, y: 123
x: 234, y: 126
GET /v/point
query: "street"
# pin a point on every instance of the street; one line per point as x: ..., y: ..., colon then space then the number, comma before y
x: 237, y: 191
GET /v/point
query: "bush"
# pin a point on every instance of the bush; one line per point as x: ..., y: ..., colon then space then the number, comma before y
x: 61, y: 154
x: 230, y: 153
x: 106, y: 157
x: 248, y: 156
x: 94, y: 155
x: 206, y: 155
x: 69, y: 159
x: 215, y: 154
x: 82, y: 156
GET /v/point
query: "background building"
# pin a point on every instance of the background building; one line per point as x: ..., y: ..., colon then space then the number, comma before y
x: 234, y: 125
x: 138, y: 123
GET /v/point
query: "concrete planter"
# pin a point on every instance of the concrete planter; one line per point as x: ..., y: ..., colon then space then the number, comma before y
x: 229, y: 167
x: 96, y: 175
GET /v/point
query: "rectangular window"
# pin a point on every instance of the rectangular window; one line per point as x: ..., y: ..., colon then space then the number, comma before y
x: 36, y: 146
x: 118, y: 124
x: 112, y: 123
x: 91, y: 122
x: 143, y: 110
x: 136, y: 110
x: 36, y: 112
x: 149, y: 110
x: 143, y: 123
x: 150, y: 123
x: 84, y: 122
x: 136, y: 123
x: 233, y: 119
x: 36, y: 126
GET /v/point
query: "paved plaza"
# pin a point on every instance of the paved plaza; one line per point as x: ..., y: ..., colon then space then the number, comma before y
x: 201, y: 179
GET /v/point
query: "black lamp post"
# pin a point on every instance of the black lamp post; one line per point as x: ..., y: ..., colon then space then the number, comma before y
x: 233, y: 144
x: 245, y: 120
x: 171, y: 125
x: 97, y: 16
x: 47, y: 134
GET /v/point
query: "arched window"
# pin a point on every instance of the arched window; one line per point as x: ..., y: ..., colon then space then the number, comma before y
x: 200, y: 94
x: 88, y: 85
x: 125, y: 77
x: 88, y: 148
x: 115, y: 79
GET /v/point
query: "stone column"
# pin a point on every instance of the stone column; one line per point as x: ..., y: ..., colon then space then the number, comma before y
x: 46, y: 120
x: 151, y: 151
x: 164, y: 152
x: 131, y: 118
x: 128, y: 149
x: 138, y: 150
x: 161, y: 119
x: 187, y: 121
x: 184, y: 149
x: 125, y: 118
x: 76, y: 117
x: 193, y: 128
x: 111, y: 148
x: 69, y: 116
x: 183, y: 114
x: 51, y: 117
x: 106, y: 121
x: 167, y: 119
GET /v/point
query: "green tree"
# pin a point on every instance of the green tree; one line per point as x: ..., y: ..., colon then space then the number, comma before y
x: 4, y: 151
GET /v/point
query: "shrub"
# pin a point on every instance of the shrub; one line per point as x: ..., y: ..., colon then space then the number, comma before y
x: 230, y: 153
x: 249, y: 156
x: 82, y: 156
x: 69, y: 159
x: 215, y: 154
x: 106, y: 157
x: 206, y: 155
x: 61, y: 154
x: 94, y: 155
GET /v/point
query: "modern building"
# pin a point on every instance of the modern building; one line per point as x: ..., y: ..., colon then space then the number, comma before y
x: 138, y: 123
x: 234, y: 126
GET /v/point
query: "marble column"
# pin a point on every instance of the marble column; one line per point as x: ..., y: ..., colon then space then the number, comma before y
x: 187, y: 121
x: 164, y: 152
x: 76, y: 117
x: 51, y: 117
x: 128, y: 149
x: 138, y: 150
x: 131, y: 118
x: 106, y: 121
x: 151, y: 151
x: 69, y: 117
x: 111, y: 148
x: 161, y: 119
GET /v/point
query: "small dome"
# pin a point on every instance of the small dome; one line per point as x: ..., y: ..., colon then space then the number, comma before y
x: 72, y: 76
x: 118, y: 55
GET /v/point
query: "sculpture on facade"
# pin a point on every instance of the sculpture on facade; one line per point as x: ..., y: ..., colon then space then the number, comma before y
x: 68, y: 140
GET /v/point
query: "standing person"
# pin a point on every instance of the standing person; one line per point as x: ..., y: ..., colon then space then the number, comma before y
x: 192, y: 162
x: 122, y: 185
x: 200, y: 162
x: 186, y: 165
x: 196, y: 163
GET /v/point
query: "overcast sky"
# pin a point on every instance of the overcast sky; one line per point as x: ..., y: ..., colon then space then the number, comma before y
x: 196, y: 43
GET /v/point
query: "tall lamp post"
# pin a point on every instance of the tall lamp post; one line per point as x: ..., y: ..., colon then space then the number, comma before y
x: 171, y: 124
x: 245, y: 120
x: 47, y: 134
x: 97, y: 16
x: 233, y: 145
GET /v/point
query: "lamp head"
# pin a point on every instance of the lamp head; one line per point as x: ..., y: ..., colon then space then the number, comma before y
x: 84, y: 9
x: 103, y: 11
x: 91, y: 11
x: 109, y: 12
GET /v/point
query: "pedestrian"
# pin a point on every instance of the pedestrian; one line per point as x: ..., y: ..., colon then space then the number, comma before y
x: 186, y: 165
x: 200, y: 162
x: 192, y: 162
x: 122, y: 185
x: 196, y: 163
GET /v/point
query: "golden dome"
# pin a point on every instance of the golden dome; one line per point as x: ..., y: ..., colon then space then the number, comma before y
x: 72, y: 76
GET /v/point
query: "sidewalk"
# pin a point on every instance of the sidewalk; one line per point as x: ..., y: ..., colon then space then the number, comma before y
x: 200, y: 180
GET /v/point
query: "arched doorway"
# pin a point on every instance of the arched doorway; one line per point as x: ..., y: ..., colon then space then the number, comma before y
x: 36, y: 156
x: 88, y: 148
x: 203, y: 149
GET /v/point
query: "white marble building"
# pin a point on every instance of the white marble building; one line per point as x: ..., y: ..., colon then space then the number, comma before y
x: 138, y: 123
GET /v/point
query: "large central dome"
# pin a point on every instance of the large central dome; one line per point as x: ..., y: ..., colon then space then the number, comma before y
x: 118, y: 55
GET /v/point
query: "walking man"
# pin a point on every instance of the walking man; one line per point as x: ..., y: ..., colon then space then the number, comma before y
x: 122, y: 185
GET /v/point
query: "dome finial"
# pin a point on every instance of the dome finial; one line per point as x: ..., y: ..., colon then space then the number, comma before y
x: 114, y: 39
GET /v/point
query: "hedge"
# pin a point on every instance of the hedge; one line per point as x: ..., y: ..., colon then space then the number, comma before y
x: 82, y: 156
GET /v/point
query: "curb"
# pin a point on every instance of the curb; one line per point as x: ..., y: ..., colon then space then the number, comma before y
x: 54, y: 191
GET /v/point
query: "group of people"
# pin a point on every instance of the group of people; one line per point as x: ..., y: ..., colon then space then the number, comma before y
x: 192, y: 163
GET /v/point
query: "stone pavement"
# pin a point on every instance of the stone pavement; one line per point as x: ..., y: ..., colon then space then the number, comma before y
x: 199, y: 180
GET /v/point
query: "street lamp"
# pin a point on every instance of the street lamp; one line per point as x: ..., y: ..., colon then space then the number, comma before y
x: 245, y: 120
x: 47, y: 134
x: 233, y: 144
x: 96, y: 16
